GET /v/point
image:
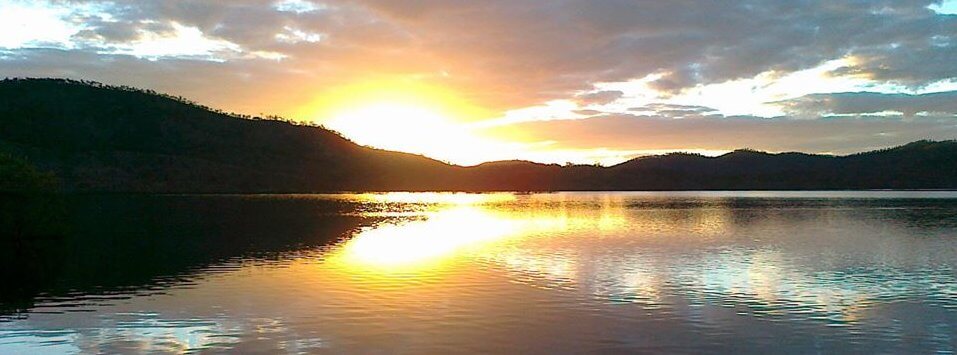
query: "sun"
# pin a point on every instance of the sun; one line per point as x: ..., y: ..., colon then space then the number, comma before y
x: 420, y: 130
x: 403, y: 127
x: 409, y: 117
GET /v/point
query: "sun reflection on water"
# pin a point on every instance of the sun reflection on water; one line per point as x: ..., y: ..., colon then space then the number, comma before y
x: 445, y: 267
x: 431, y: 197
x: 418, y: 244
x: 457, y: 226
x: 607, y: 246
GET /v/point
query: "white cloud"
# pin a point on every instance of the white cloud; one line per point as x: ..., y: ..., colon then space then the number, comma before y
x: 266, y: 55
x: 46, y: 25
x: 552, y: 110
x: 754, y: 96
x: 25, y: 24
x: 182, y: 42
x: 760, y: 96
x: 298, y: 6
x: 293, y: 35
x: 945, y: 7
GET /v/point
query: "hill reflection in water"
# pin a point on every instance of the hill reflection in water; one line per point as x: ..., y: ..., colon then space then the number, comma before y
x: 499, y: 272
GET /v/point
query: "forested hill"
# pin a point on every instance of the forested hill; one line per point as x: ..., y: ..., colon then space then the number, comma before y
x: 94, y: 137
x: 917, y: 165
x: 102, y: 138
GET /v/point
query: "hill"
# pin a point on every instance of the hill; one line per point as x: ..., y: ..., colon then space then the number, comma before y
x: 103, y: 138
x: 95, y: 137
x: 918, y: 165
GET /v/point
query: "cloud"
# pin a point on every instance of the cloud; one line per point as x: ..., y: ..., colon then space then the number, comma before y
x: 25, y: 24
x: 599, y: 97
x: 534, y: 52
x: 292, y: 35
x: 858, y: 103
x: 297, y: 6
x: 672, y: 110
x: 945, y: 7
x: 509, y: 54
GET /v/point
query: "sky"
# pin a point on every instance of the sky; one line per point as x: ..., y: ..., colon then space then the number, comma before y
x: 554, y: 81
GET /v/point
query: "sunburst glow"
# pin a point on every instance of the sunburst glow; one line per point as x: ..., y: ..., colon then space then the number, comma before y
x: 409, y: 116
x: 407, y: 128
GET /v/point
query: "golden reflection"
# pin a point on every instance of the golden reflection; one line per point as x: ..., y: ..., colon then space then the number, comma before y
x: 423, y: 243
x: 433, y: 197
x: 712, y: 221
x: 456, y: 226
x: 556, y: 269
x: 551, y: 240
x: 538, y: 240
x: 476, y: 259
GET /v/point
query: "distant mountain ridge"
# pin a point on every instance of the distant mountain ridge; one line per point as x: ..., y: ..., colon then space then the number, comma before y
x: 102, y: 138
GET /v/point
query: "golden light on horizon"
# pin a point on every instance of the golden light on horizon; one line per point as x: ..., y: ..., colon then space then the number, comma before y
x: 404, y: 127
x: 414, y: 116
x: 394, y: 92
x: 410, y: 116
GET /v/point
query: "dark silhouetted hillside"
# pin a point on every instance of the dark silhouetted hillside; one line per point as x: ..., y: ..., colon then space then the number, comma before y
x: 918, y: 165
x: 18, y: 175
x: 102, y: 138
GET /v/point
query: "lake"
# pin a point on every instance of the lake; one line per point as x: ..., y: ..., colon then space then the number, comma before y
x: 677, y: 272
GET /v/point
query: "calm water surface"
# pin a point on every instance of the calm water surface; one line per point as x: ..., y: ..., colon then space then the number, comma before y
x: 800, y: 272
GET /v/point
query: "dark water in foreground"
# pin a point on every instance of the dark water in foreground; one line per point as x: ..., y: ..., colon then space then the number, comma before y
x: 434, y: 273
